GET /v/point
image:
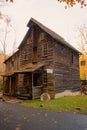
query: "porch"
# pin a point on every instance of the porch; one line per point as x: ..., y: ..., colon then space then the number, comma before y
x: 27, y: 83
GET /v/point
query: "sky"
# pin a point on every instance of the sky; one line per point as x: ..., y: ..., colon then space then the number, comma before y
x: 50, y: 13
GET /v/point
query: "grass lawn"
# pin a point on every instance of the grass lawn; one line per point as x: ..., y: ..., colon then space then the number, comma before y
x: 68, y: 104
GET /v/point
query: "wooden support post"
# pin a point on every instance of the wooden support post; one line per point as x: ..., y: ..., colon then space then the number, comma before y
x: 32, y: 85
x: 3, y: 85
x: 10, y: 86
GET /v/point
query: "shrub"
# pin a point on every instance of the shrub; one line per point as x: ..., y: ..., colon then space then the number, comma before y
x: 83, y: 89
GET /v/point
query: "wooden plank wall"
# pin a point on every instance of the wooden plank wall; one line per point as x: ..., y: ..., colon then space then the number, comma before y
x: 66, y: 69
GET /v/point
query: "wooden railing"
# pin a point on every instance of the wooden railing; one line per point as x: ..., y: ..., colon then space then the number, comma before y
x: 37, y: 91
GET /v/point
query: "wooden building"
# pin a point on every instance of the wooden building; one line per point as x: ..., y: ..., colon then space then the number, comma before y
x: 44, y: 63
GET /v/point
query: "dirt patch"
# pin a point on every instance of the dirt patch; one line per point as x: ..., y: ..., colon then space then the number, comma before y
x: 10, y: 99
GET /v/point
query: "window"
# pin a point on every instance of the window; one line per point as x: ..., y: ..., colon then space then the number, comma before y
x: 83, y: 63
x: 25, y: 56
x: 37, y: 79
x: 44, y: 49
x: 45, y: 77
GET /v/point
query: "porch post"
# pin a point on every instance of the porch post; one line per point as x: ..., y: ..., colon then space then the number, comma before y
x: 10, y: 86
x: 3, y: 85
x: 32, y: 85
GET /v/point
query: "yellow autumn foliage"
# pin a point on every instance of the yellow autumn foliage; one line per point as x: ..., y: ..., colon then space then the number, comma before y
x: 83, y: 67
x: 71, y: 3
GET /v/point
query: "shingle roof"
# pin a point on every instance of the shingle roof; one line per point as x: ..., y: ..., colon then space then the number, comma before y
x: 51, y: 33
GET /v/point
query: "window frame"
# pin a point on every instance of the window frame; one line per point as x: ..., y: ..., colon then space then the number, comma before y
x: 44, y: 49
x: 25, y: 55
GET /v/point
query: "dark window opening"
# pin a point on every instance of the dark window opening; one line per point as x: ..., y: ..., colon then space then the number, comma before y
x: 37, y: 79
x: 83, y: 63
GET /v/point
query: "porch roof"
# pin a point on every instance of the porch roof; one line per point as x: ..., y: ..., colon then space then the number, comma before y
x: 30, y: 68
x: 8, y: 74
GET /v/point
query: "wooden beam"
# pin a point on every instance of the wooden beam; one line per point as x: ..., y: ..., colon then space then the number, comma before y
x: 10, y: 86
x: 32, y: 85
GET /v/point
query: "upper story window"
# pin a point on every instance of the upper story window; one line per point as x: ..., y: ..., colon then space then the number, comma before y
x: 83, y: 63
x: 44, y: 49
x: 25, y: 56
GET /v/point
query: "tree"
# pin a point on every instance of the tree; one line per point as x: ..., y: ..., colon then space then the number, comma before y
x: 10, y: 0
x: 82, y: 31
x: 5, y: 20
x: 70, y: 3
x: 5, y: 29
x: 5, y: 2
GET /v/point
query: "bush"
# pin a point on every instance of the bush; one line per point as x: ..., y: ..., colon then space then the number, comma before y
x: 83, y: 89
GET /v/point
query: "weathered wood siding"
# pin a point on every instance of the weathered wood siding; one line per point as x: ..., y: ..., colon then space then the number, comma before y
x: 48, y: 60
x: 26, y: 51
x: 12, y: 63
x: 11, y: 79
x: 36, y: 92
x: 6, y: 85
x: 36, y: 38
x: 66, y: 70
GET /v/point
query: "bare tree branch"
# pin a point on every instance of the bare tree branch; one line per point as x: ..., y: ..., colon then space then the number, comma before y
x: 82, y: 31
x: 4, y: 33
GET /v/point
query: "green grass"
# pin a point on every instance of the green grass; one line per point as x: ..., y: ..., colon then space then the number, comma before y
x: 68, y: 104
